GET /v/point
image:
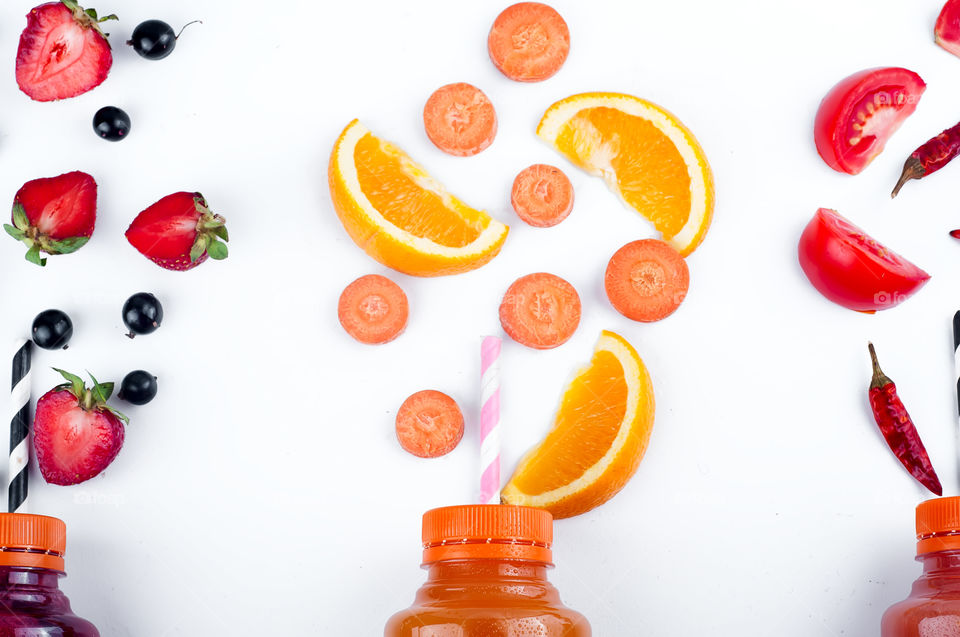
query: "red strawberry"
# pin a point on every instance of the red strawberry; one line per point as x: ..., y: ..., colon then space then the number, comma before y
x: 55, y: 215
x: 179, y: 232
x: 63, y: 51
x: 75, y: 434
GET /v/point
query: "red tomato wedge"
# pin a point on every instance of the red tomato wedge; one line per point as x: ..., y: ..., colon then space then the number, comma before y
x: 861, y: 112
x: 852, y: 269
x: 947, y: 31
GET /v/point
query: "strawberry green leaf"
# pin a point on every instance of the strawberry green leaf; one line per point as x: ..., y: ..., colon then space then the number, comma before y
x: 119, y: 415
x: 20, y: 217
x: 16, y: 233
x: 221, y: 231
x: 101, y: 391
x: 201, y: 205
x: 66, y: 246
x: 211, y: 221
x: 76, y: 383
x: 199, y: 247
x: 217, y: 250
x: 87, y: 18
x: 33, y: 256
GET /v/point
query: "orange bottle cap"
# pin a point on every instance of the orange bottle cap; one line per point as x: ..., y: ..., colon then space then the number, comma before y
x: 487, y: 531
x: 32, y: 541
x: 938, y: 525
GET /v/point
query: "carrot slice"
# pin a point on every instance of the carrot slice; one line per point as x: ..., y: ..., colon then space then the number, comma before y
x: 646, y: 280
x: 542, y: 195
x: 460, y: 119
x: 429, y: 424
x: 373, y: 309
x: 529, y: 42
x: 540, y: 310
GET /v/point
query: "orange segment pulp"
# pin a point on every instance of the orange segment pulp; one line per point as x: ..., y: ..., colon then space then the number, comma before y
x: 599, y: 436
x: 644, y: 153
x: 400, y: 215
x: 395, y: 193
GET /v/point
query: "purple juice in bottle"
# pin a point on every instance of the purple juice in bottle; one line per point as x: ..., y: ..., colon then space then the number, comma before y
x: 31, y: 565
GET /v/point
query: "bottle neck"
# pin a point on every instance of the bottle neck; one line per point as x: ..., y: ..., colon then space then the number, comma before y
x: 941, y: 574
x: 487, y: 568
x: 945, y: 563
x: 493, y: 580
x: 13, y: 577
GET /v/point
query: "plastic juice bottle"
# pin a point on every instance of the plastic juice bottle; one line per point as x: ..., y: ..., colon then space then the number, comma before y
x: 933, y: 608
x: 31, y: 563
x: 487, y: 577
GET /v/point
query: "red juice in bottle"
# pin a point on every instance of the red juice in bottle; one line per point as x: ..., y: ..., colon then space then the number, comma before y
x: 487, y: 576
x: 933, y: 607
x: 31, y: 565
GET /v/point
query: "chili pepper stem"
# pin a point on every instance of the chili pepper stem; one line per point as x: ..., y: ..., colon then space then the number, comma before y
x: 879, y: 378
x: 912, y: 169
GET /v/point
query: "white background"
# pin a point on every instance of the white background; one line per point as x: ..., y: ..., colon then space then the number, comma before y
x: 263, y: 491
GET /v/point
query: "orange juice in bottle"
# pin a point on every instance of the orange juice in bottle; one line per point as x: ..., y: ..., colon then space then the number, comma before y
x: 933, y: 607
x: 487, y: 577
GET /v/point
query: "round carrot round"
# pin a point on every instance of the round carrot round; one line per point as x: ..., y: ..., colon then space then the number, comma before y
x: 373, y: 309
x: 542, y: 195
x: 646, y: 280
x: 529, y: 42
x: 429, y: 424
x: 460, y: 119
x: 540, y: 310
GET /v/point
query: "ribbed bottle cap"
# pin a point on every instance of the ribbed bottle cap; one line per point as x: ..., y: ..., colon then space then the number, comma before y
x: 490, y: 531
x: 29, y: 540
x: 938, y: 525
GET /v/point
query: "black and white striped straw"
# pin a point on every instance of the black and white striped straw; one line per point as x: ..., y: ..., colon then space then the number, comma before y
x: 19, y: 429
x: 956, y: 355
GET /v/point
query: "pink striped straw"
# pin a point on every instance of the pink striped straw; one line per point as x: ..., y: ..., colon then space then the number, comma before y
x: 490, y: 420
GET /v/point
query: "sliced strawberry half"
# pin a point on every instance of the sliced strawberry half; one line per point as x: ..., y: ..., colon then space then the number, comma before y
x: 55, y: 215
x: 63, y: 51
x: 179, y: 232
x: 75, y: 434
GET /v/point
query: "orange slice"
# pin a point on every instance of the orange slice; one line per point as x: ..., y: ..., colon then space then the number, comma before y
x: 644, y: 153
x: 598, y: 438
x: 400, y: 215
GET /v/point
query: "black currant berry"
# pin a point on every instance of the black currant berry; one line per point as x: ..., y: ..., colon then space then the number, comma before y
x: 52, y: 329
x: 138, y: 387
x: 155, y: 39
x: 142, y: 314
x: 111, y: 123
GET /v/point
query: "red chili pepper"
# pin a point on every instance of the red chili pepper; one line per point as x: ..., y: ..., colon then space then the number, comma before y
x: 930, y: 157
x: 898, y: 428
